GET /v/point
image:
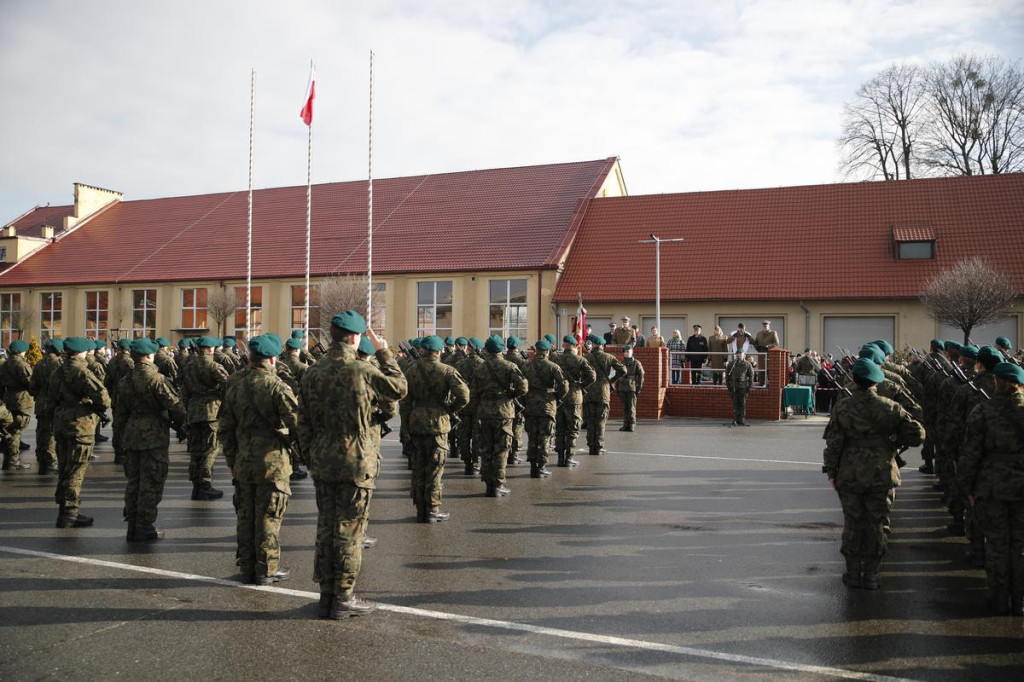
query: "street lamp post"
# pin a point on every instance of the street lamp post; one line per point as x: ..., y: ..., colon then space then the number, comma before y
x: 657, y: 273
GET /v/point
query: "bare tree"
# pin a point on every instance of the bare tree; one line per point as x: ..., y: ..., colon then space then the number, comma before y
x: 968, y: 295
x: 23, y: 318
x: 338, y: 294
x: 220, y: 305
x: 881, y: 125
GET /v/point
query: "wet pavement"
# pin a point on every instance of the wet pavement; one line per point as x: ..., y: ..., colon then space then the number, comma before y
x: 690, y: 551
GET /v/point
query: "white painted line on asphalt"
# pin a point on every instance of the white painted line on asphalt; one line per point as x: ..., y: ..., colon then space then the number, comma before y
x: 621, y: 642
x: 725, y: 459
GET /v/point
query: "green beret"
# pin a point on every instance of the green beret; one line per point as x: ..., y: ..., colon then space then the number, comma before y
x: 551, y: 339
x: 476, y: 343
x: 100, y: 344
x: 884, y: 345
x: 56, y: 345
x: 570, y: 339
x: 229, y: 342
x: 264, y: 345
x: 365, y: 346
x: 969, y: 352
x: 1009, y: 372
x: 162, y: 341
x: 513, y: 342
x: 124, y: 344
x: 1004, y: 342
x: 494, y: 344
x: 990, y: 356
x: 297, y: 334
x: 350, y: 321
x: 293, y: 343
x: 953, y: 345
x: 432, y: 343
x: 872, y: 353
x: 866, y: 369
x: 207, y: 342
x: 76, y: 344
x: 449, y: 341
x: 144, y: 346
x: 417, y: 342
x: 275, y: 337
x: 18, y: 346
x: 938, y: 344
x: 184, y: 343
x: 462, y: 341
x: 628, y: 346
x: 596, y: 340
x: 542, y: 345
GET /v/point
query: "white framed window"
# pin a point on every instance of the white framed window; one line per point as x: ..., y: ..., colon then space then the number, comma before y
x: 97, y: 314
x: 434, y: 308
x: 143, y: 313
x: 51, y: 309
x: 193, y: 308
x: 299, y: 310
x: 507, y: 309
x: 255, y: 311
x: 10, y: 318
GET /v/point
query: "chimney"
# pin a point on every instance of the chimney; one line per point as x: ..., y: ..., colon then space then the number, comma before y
x: 88, y: 200
x: 47, y: 232
x: 10, y: 231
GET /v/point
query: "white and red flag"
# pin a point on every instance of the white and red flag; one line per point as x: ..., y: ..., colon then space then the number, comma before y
x: 307, y: 106
x: 579, y: 325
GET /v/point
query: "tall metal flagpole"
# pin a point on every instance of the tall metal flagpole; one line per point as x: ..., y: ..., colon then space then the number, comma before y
x: 369, y: 210
x: 309, y: 207
x: 248, y: 265
x: 657, y: 273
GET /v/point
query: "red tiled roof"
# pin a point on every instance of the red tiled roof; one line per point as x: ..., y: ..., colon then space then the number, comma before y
x: 31, y: 224
x: 510, y: 218
x: 826, y: 241
x: 913, y: 233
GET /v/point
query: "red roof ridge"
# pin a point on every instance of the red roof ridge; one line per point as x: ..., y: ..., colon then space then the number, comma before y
x: 579, y: 213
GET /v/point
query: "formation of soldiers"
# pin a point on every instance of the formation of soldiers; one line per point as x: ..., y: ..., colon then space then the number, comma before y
x: 965, y: 404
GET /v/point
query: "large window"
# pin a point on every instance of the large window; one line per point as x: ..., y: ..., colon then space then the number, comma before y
x: 97, y: 312
x: 51, y: 306
x: 143, y: 313
x: 434, y: 308
x: 193, y: 308
x: 255, y: 311
x: 507, y: 308
x: 10, y: 318
x: 299, y: 309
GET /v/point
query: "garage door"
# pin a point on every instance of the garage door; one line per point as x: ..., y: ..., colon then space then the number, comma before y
x: 853, y: 332
x: 983, y: 336
x: 752, y: 323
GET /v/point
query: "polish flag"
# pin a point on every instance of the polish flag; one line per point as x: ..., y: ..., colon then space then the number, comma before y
x: 579, y: 326
x: 307, y: 107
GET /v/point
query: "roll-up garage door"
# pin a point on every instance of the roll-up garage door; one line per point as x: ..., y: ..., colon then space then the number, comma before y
x: 853, y: 332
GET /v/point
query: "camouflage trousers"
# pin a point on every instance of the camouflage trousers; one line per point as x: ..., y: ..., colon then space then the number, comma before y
x: 567, y: 426
x: 517, y: 433
x: 12, y: 451
x: 259, y: 509
x: 538, y: 431
x: 465, y: 430
x: 146, y: 471
x: 72, y: 461
x: 203, y: 449
x: 596, y: 415
x: 864, y: 515
x: 428, y: 455
x: 46, y: 445
x: 739, y: 403
x: 628, y: 407
x: 1003, y: 525
x: 492, y: 439
x: 343, y: 510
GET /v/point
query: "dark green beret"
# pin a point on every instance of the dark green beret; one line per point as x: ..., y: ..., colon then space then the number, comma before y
x: 274, y: 337
x: 124, y: 344
x: 449, y: 341
x: 866, y: 369
x: 432, y: 343
x: 1009, y: 372
x: 884, y: 345
x: 542, y: 345
x: 953, y: 345
x: 596, y: 340
x: 144, y: 346
x: 162, y: 341
x: 76, y: 344
x: 938, y: 344
x: 570, y: 339
x: 872, y: 353
x: 207, y: 342
x: 513, y: 342
x: 366, y: 346
x: 18, y: 346
x: 265, y: 345
x: 990, y: 356
x: 417, y: 342
x: 969, y: 352
x: 294, y: 343
x: 476, y: 343
x: 551, y: 339
x: 628, y: 346
x: 297, y: 334
x: 350, y: 321
x: 462, y: 341
x: 1004, y: 342
x: 184, y: 343
x: 100, y: 344
x: 494, y: 344
x: 56, y: 344
x: 229, y: 342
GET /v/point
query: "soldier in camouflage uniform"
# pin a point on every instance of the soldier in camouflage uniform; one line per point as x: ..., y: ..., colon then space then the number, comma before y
x: 597, y: 397
x: 991, y: 466
x: 739, y: 378
x: 452, y: 359
x: 496, y: 385
x: 118, y: 368
x: 580, y: 375
x: 547, y: 387
x: 147, y: 406
x: 16, y: 380
x: 203, y: 388
x: 929, y: 373
x: 336, y: 434
x: 228, y: 357
x: 79, y: 399
x: 1004, y: 346
x: 436, y: 391
x: 628, y: 385
x: 258, y: 422
x: 517, y: 357
x: 46, y: 452
x: 861, y: 442
x: 467, y: 368
x: 98, y: 365
x: 943, y: 390
x: 164, y: 361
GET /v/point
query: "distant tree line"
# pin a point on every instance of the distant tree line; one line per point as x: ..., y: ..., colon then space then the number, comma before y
x: 964, y: 116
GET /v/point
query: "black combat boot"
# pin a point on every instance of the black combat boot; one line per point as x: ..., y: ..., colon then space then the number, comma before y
x: 145, y: 532
x: 469, y: 469
x: 542, y: 470
x: 869, y: 577
x: 534, y: 470
x: 277, y: 576
x: 298, y: 473
x: 348, y: 605
x: 563, y: 459
x: 490, y: 490
x: 205, y: 492
x: 851, y: 578
x: 926, y: 468
x: 323, y: 609
x: 569, y: 461
x: 130, y: 536
x: 436, y: 516
x: 73, y: 520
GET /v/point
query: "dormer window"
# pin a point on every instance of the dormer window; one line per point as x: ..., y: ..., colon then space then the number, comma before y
x: 915, y: 250
x: 914, y: 242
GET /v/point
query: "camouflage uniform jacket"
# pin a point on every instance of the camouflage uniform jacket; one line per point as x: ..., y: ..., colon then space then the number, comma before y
x: 548, y: 386
x: 862, y: 438
x: 455, y: 357
x: 294, y: 364
x: 336, y: 431
x: 909, y: 380
x: 227, y: 361
x: 40, y: 384
x: 148, y: 406
x: 632, y: 381
x: 118, y: 368
x: 603, y: 363
x: 166, y: 365
x: 739, y: 374
x: 258, y: 422
x: 467, y: 367
x: 991, y: 464
x: 964, y: 400
x: 514, y: 356
x: 435, y: 391
x: 96, y: 367
x: 893, y: 390
x: 578, y: 372
x: 496, y: 383
x: 203, y: 389
x: 16, y: 378
x: 78, y: 398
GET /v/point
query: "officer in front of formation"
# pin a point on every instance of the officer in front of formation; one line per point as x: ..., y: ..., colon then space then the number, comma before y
x: 739, y: 379
x: 628, y: 385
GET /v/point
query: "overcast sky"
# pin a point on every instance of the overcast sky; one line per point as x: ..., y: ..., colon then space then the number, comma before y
x: 152, y: 98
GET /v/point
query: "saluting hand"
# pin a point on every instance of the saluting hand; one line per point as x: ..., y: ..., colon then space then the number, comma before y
x: 379, y: 343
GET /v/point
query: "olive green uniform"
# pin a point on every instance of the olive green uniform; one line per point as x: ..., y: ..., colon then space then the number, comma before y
x: 496, y: 383
x: 628, y: 386
x: 16, y: 379
x: 42, y: 375
x: 547, y: 387
x: 580, y: 375
x: 597, y: 397
x: 203, y: 387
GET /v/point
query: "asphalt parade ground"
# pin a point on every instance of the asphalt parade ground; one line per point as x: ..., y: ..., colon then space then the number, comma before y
x: 690, y: 551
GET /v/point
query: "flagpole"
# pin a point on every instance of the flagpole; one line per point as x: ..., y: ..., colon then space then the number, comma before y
x: 248, y: 265
x: 309, y: 207
x: 369, y: 210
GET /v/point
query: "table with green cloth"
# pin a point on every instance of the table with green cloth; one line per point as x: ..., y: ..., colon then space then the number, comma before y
x: 798, y: 396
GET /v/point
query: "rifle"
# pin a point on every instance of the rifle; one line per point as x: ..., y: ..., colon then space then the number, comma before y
x: 831, y: 377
